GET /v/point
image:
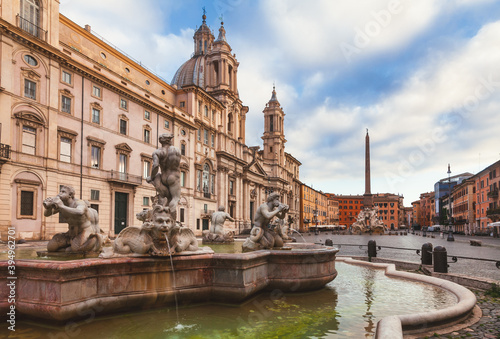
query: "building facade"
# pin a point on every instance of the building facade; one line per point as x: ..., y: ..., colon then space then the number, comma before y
x: 77, y: 111
x: 390, y: 209
x: 314, y: 208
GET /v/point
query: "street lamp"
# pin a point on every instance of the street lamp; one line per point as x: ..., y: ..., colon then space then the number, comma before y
x: 450, y: 233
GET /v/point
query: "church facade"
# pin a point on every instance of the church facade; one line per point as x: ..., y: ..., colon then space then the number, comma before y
x: 76, y: 111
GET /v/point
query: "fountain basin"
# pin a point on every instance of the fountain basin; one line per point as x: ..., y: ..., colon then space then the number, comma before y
x: 62, y: 290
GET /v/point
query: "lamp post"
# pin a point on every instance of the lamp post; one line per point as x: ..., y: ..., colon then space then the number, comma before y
x: 450, y: 233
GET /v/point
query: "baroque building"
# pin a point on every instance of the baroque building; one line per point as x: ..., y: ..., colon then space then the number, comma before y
x: 77, y: 111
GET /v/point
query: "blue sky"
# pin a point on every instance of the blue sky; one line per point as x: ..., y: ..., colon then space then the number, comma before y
x: 423, y: 76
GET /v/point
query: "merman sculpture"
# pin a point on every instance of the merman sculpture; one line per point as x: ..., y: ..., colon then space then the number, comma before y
x: 261, y: 236
x: 216, y: 232
x: 84, y: 234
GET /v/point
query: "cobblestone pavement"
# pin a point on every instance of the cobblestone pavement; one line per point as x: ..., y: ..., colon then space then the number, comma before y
x: 487, y: 327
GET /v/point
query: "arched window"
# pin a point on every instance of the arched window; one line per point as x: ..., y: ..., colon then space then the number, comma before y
x: 30, y: 17
x: 230, y: 122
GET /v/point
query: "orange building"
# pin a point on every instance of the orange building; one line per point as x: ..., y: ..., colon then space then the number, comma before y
x: 416, y: 221
x: 463, y: 205
x: 349, y: 208
x: 333, y: 209
x: 487, y: 199
x: 427, y: 209
x: 390, y: 209
x: 313, y: 208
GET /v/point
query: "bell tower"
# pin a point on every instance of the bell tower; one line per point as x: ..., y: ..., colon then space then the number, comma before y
x: 274, y: 134
x: 203, y: 38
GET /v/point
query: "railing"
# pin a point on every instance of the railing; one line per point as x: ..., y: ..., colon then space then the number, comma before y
x: 4, y: 151
x: 493, y: 211
x: 124, y: 177
x: 493, y: 194
x: 454, y: 258
x: 31, y: 28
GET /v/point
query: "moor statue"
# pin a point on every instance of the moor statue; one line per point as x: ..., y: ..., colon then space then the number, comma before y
x: 165, y: 173
x: 84, y: 234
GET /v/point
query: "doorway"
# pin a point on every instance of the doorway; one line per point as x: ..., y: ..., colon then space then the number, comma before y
x: 121, y: 203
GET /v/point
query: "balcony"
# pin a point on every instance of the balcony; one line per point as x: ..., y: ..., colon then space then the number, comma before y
x: 124, y: 178
x: 493, y: 194
x: 206, y: 214
x: 4, y: 154
x: 31, y: 28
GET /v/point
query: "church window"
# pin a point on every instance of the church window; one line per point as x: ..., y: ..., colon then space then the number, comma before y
x: 271, y: 124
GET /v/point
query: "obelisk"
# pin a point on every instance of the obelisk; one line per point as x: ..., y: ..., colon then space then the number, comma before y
x: 368, y: 198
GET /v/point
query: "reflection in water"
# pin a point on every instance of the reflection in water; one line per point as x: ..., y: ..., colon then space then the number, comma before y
x: 349, y: 306
x: 369, y: 276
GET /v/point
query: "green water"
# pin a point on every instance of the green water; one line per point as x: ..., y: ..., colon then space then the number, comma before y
x: 349, y: 306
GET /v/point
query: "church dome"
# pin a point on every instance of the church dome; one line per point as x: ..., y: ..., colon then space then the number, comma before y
x: 192, y: 72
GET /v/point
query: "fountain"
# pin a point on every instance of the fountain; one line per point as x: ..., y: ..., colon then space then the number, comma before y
x: 134, y: 275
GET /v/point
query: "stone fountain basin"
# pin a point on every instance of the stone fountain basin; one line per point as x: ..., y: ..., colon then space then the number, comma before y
x: 63, y: 290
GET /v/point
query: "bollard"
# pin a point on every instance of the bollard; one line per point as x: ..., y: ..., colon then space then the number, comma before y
x: 372, y: 249
x: 427, y: 254
x: 328, y: 242
x: 440, y: 259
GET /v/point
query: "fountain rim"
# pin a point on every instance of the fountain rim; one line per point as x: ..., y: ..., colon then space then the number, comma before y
x: 395, y: 325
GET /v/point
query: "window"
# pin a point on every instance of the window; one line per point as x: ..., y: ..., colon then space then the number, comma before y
x: 123, y: 104
x: 147, y: 82
x: 183, y: 132
x: 166, y: 124
x: 212, y: 182
x: 96, y: 91
x: 147, y: 135
x: 146, y: 169
x: 206, y: 178
x: 66, y: 104
x: 65, y: 149
x: 122, y: 163
x: 123, y: 126
x: 95, y: 157
x: 183, y: 179
x: 198, y: 180
x: 199, y: 135
x: 29, y: 89
x: 183, y: 149
x: 95, y: 194
x: 206, y: 111
x: 213, y: 140
x: 66, y: 77
x: 103, y: 55
x: 145, y: 201
x: 231, y: 187
x: 95, y: 206
x: 182, y: 104
x: 30, y: 17
x: 29, y: 140
x: 205, y: 137
x: 30, y: 60
x: 96, y: 116
x: 181, y: 217
x: 27, y: 204
x: 271, y: 124
x: 147, y: 115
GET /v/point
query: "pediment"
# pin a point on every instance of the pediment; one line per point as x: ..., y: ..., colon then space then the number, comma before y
x: 124, y: 147
x: 256, y: 167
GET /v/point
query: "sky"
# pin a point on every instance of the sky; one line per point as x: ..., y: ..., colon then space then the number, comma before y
x: 422, y: 76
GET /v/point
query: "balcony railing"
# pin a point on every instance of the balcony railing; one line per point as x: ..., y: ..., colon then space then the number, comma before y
x: 31, y: 28
x: 125, y: 178
x: 492, y: 211
x: 4, y: 151
x: 493, y: 194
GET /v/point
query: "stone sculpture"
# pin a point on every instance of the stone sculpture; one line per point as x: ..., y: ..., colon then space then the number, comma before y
x: 84, y: 234
x: 151, y: 237
x: 261, y: 236
x: 166, y: 173
x: 160, y: 233
x: 367, y: 221
x: 216, y: 232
